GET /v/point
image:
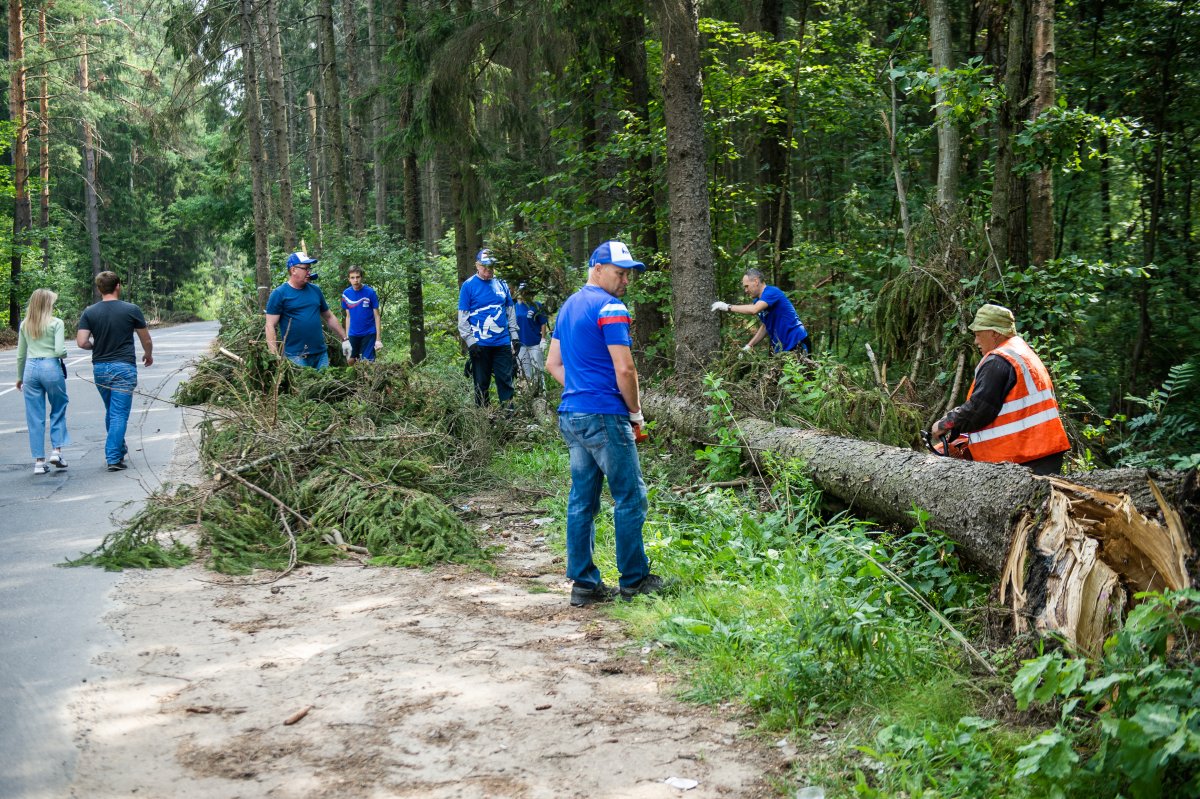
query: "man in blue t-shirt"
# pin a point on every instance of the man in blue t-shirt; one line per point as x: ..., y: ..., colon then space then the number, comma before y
x: 531, y: 327
x: 600, y: 418
x: 363, y: 324
x: 487, y: 322
x: 297, y: 308
x: 775, y: 313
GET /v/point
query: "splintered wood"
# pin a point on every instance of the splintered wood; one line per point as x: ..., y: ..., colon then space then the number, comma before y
x: 1093, y: 552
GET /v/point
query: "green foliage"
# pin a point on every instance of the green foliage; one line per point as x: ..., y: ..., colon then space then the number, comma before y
x: 1063, y: 137
x: 722, y: 460
x: 1167, y: 432
x: 1137, y: 717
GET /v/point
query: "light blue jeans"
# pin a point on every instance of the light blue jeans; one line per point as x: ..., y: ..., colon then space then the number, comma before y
x: 44, y: 382
x: 318, y: 360
x: 601, y: 445
x: 115, y: 382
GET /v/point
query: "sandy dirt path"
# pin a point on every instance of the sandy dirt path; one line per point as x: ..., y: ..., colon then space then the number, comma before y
x: 443, y: 683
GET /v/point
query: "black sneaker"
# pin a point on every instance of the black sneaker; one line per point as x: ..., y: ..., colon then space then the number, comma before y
x: 650, y: 584
x: 119, y: 466
x: 581, y: 596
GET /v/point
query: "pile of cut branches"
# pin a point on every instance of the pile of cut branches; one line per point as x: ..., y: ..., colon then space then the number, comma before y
x: 306, y: 466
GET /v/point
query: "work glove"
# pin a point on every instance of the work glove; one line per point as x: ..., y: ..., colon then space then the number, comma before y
x: 346, y: 348
x: 720, y: 306
x: 378, y: 345
x: 746, y: 348
x: 516, y: 345
x: 638, y: 421
x: 474, y: 350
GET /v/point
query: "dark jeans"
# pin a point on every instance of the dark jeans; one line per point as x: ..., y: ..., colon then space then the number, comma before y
x: 1049, y: 465
x: 493, y: 362
x: 363, y: 347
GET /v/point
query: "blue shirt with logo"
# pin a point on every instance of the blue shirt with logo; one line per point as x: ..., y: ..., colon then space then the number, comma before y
x: 361, y: 306
x: 486, y: 303
x: 301, y: 314
x: 531, y: 317
x: 590, y: 320
x: 783, y: 325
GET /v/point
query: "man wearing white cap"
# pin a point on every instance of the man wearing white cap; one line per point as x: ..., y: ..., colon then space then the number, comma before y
x: 297, y: 309
x: 1011, y: 414
x: 600, y: 417
x: 487, y: 322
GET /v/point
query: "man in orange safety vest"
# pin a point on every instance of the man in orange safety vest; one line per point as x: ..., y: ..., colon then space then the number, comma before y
x: 1010, y: 414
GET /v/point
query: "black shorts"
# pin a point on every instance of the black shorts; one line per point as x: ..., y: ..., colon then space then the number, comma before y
x: 363, y: 347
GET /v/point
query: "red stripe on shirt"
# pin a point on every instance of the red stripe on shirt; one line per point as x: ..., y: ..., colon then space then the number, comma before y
x: 608, y: 320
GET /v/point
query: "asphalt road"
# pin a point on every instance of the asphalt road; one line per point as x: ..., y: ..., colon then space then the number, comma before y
x: 50, y: 617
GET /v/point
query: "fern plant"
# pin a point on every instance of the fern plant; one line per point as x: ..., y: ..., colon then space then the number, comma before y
x: 1167, y: 432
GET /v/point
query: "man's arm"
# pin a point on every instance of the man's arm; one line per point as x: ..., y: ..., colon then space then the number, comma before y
x: 750, y: 308
x: 143, y: 334
x: 554, y: 363
x: 993, y: 380
x: 513, y: 330
x: 272, y: 344
x: 83, y: 338
x: 334, y: 324
x: 378, y: 326
x: 464, y: 328
x: 758, y: 336
x: 627, y: 376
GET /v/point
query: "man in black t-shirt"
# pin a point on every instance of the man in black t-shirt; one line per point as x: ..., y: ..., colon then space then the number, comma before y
x: 107, y: 329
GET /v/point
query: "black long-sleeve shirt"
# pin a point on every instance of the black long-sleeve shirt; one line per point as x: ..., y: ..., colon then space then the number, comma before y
x: 994, y: 378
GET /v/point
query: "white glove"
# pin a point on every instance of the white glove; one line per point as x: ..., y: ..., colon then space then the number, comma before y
x: 720, y: 306
x: 378, y: 345
x: 746, y: 348
x: 346, y: 348
x: 635, y: 417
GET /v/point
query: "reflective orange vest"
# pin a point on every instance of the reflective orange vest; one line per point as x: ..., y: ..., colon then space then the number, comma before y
x: 1028, y: 426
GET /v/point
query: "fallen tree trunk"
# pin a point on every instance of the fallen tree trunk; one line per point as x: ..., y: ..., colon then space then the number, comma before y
x: 1068, y: 557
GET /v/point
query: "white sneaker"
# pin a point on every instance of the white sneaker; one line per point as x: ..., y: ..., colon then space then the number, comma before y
x: 56, y: 460
x: 39, y: 467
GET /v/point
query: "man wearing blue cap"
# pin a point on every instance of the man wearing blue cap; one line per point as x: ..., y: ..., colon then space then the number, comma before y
x: 487, y: 322
x: 297, y: 308
x: 600, y: 417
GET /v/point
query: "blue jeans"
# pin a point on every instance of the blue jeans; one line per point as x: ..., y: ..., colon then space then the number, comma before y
x: 115, y: 382
x: 317, y: 360
x: 601, y: 445
x: 44, y: 382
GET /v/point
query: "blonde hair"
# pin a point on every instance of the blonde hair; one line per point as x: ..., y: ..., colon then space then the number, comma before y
x: 39, y: 312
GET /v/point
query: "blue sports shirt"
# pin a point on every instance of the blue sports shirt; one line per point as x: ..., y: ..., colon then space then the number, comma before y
x: 361, y: 305
x: 486, y: 303
x: 530, y: 319
x: 783, y: 325
x: 590, y: 320
x: 300, y: 318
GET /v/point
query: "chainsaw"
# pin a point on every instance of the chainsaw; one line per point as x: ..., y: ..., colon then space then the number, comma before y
x: 945, y: 447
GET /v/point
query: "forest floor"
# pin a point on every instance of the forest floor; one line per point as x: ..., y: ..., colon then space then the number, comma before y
x: 440, y: 683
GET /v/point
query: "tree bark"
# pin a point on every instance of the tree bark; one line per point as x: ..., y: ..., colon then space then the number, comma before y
x: 1009, y: 48
x: 412, y: 210
x: 1041, y: 183
x: 1087, y: 550
x: 949, y: 139
x: 693, y: 281
x: 357, y: 170
x: 44, y: 147
x: 332, y: 104
x: 90, y: 200
x: 314, y: 167
x: 22, y: 213
x: 378, y: 112
x: 251, y: 108
x: 279, y: 123
x: 775, y: 209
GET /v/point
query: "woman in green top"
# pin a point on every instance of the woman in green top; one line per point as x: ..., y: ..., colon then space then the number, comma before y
x: 41, y: 377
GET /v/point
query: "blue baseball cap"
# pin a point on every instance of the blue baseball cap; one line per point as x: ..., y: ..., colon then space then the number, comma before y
x: 300, y: 259
x: 484, y: 257
x: 615, y: 253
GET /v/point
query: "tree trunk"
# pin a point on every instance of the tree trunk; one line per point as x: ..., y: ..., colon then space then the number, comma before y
x: 1088, y: 551
x: 1009, y: 48
x: 331, y: 102
x: 630, y: 65
x: 1041, y: 183
x: 22, y: 213
x: 775, y: 208
x: 279, y: 123
x: 889, y: 126
x: 357, y: 168
x: 693, y: 281
x: 314, y: 167
x: 44, y: 147
x: 251, y: 108
x: 378, y: 112
x: 949, y: 139
x: 90, y: 200
x: 412, y: 210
